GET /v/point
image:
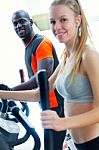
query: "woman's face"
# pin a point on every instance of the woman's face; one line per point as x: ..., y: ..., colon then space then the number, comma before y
x: 63, y: 23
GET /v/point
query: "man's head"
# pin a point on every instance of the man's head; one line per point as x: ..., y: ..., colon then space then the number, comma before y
x: 22, y: 24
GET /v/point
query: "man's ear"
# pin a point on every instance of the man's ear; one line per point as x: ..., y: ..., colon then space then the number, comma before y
x: 31, y: 21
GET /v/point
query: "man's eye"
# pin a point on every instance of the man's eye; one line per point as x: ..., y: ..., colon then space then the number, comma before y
x: 22, y: 21
x: 52, y: 22
x: 15, y: 24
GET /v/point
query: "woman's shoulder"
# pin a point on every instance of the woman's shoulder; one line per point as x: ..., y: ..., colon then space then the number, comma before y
x: 90, y: 53
x: 90, y: 58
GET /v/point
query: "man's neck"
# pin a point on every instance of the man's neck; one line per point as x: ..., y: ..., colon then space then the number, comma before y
x: 28, y: 40
x: 27, y: 43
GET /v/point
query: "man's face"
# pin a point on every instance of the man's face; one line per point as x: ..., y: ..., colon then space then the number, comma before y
x: 22, y: 25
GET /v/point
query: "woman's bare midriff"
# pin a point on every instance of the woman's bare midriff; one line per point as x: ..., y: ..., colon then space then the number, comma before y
x: 81, y: 135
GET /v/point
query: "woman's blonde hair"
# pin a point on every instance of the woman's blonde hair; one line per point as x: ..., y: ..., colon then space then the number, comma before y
x: 80, y: 40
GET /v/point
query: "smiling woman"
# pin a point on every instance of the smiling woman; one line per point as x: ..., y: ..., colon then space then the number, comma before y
x: 12, y: 48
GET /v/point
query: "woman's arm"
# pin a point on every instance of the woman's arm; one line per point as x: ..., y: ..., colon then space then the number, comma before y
x: 27, y: 95
x: 51, y: 120
x: 53, y: 77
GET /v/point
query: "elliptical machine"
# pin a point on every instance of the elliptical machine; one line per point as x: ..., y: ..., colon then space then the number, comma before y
x: 7, y: 125
x: 9, y: 130
x: 10, y: 115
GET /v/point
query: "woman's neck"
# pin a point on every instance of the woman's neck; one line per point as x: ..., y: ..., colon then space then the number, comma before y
x: 69, y: 50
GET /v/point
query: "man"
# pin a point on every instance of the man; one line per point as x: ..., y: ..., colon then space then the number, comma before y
x: 39, y: 54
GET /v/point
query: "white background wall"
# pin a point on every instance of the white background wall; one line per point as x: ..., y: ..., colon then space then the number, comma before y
x: 12, y: 48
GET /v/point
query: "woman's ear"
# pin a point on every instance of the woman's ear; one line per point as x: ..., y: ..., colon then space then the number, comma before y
x: 78, y: 20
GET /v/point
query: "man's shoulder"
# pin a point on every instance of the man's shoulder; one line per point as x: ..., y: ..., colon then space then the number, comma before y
x: 38, y: 37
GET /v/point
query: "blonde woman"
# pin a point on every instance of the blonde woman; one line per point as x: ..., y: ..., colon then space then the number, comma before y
x: 76, y: 78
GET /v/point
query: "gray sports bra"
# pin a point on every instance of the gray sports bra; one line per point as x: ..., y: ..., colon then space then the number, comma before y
x: 78, y: 92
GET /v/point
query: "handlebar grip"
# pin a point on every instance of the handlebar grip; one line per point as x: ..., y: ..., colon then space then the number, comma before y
x: 44, y: 89
x: 24, y: 104
x: 45, y: 104
x: 22, y: 75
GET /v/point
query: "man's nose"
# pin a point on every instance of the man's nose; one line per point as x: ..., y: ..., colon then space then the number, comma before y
x: 19, y: 25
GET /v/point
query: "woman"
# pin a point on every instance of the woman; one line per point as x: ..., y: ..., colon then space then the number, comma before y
x: 76, y: 78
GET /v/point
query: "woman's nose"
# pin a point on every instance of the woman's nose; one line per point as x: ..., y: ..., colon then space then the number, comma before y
x: 57, y: 25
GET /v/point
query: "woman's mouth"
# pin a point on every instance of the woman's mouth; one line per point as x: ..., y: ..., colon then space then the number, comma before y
x: 61, y: 36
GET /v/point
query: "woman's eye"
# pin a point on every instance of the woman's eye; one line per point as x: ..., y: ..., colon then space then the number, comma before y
x: 63, y: 19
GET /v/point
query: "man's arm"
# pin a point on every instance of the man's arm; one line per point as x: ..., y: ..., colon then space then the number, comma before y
x: 30, y: 84
x: 46, y: 64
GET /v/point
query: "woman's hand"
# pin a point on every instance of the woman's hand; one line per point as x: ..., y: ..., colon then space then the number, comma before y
x: 50, y: 120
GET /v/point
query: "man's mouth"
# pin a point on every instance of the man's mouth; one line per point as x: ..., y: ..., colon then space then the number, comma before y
x: 21, y: 32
